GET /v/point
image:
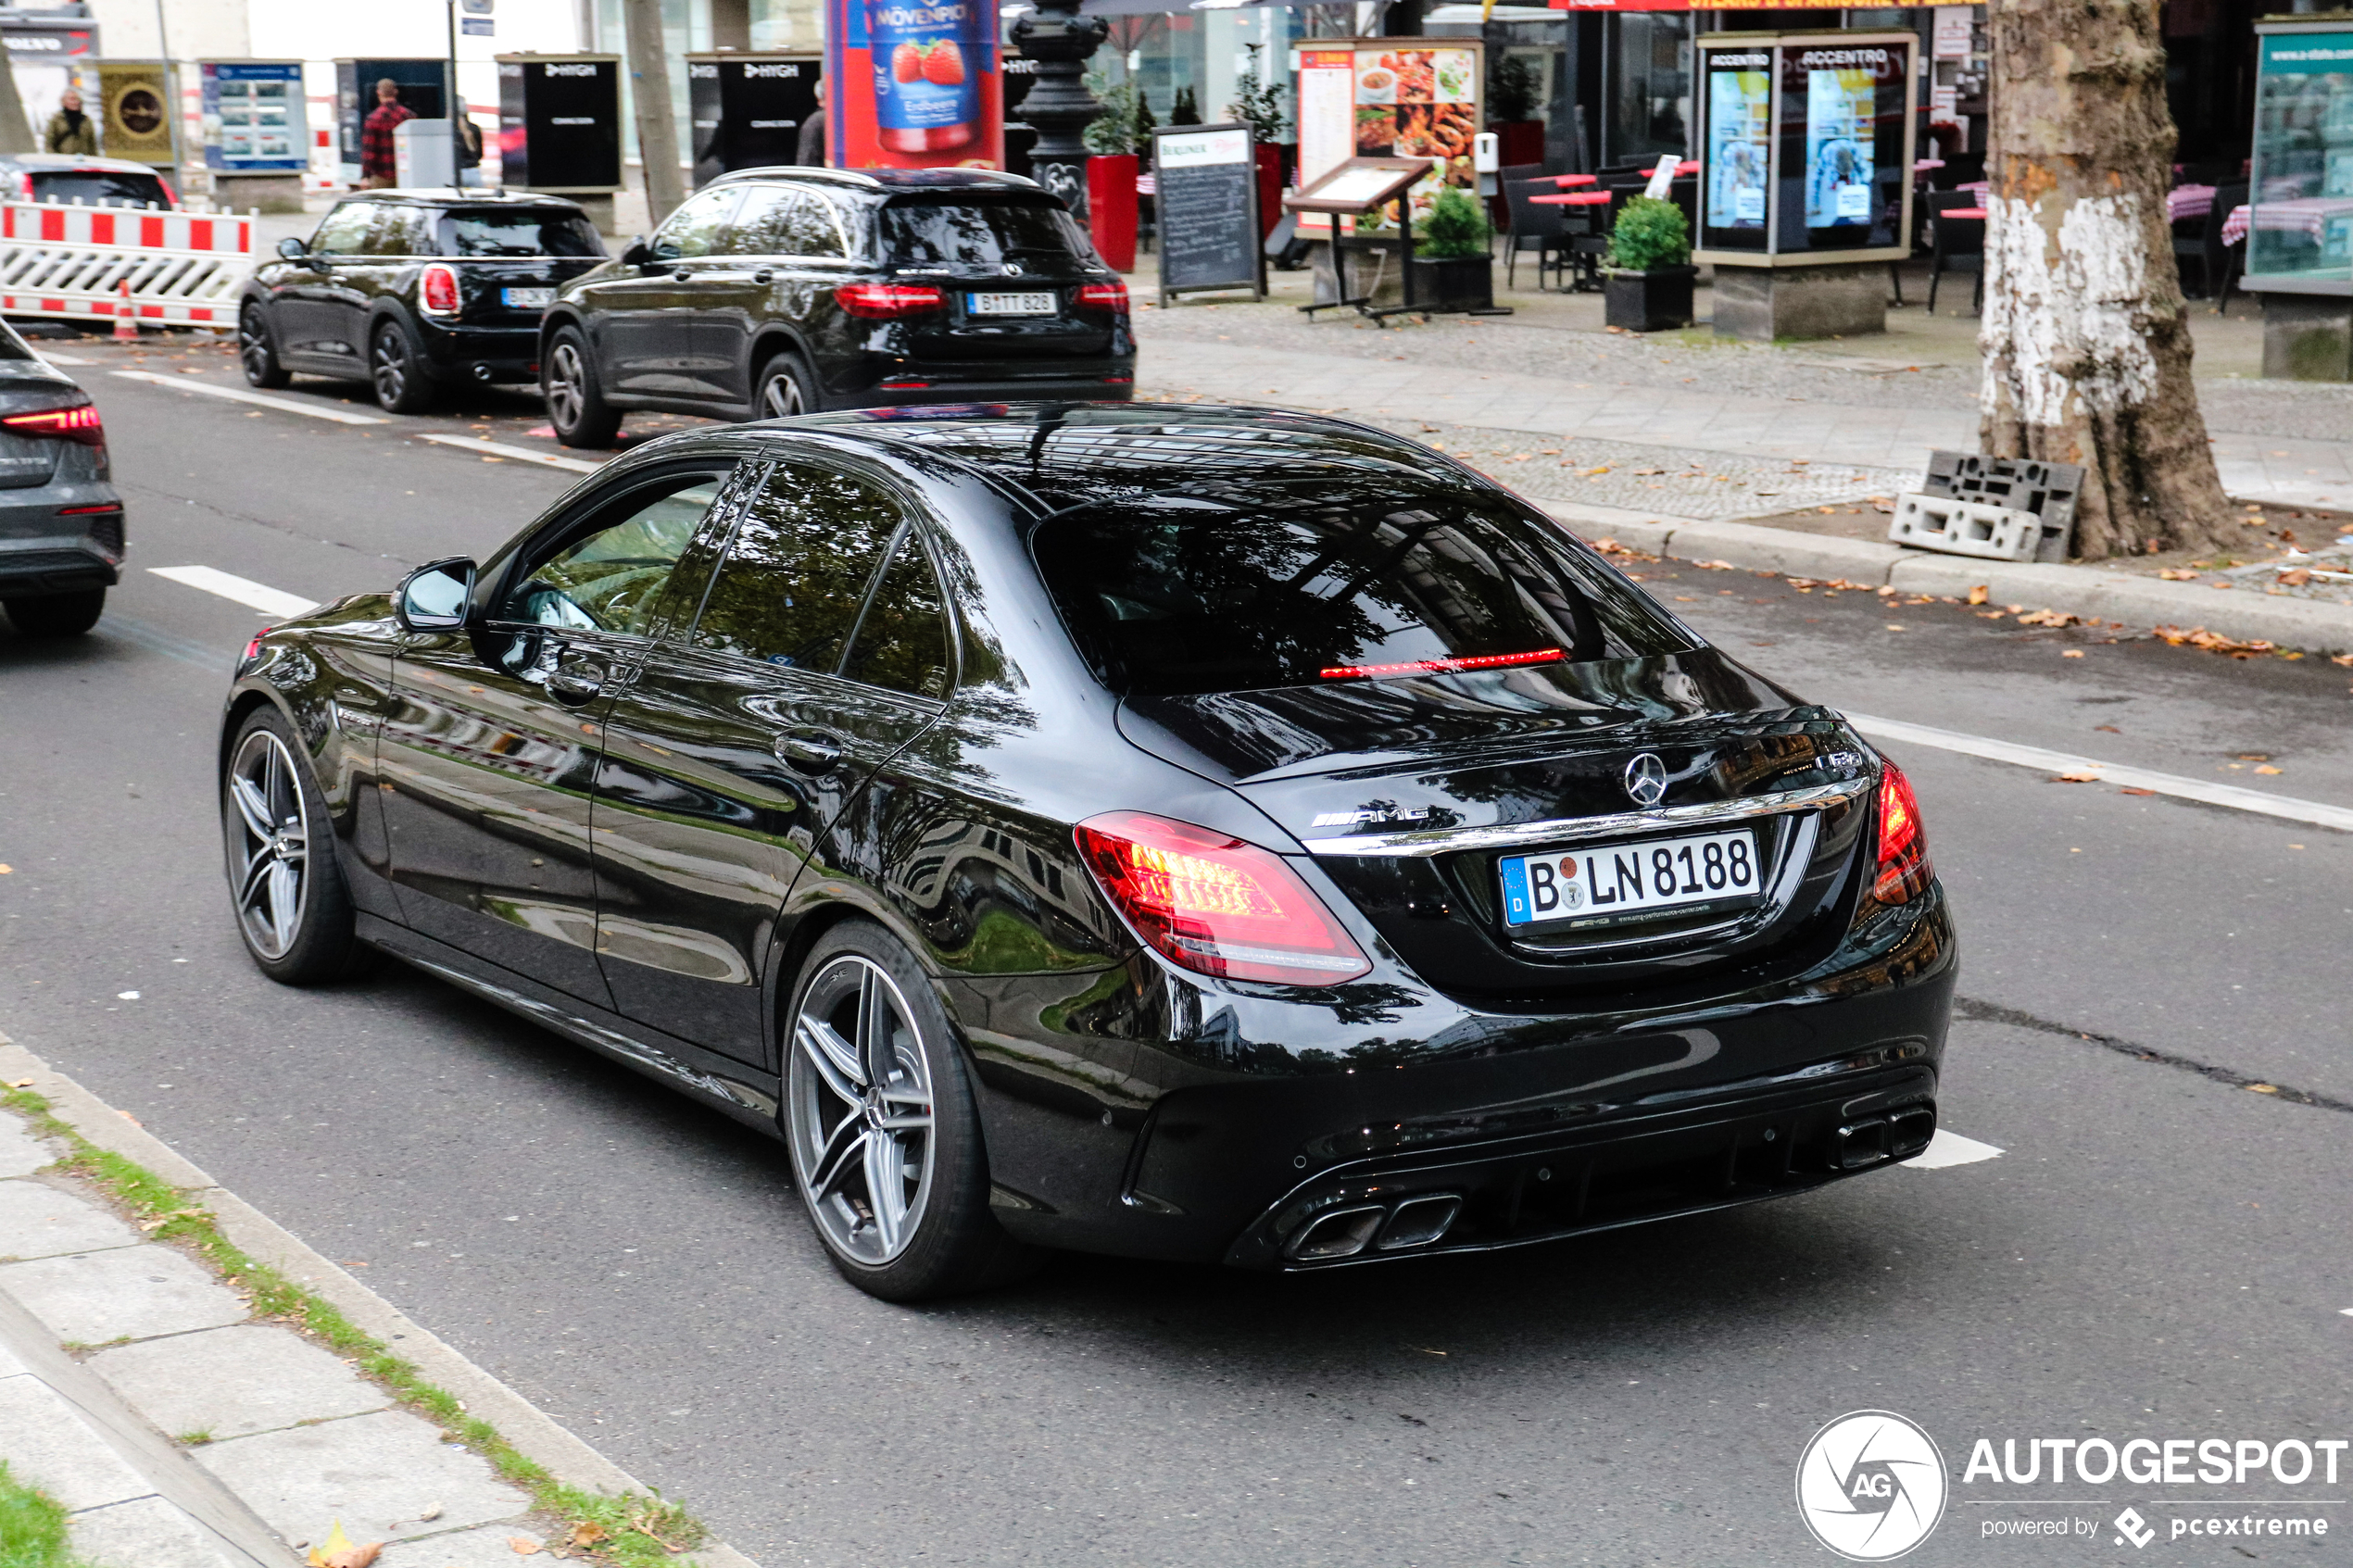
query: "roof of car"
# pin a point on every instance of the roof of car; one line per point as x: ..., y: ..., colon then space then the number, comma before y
x: 889, y: 180
x: 39, y: 162
x: 445, y: 196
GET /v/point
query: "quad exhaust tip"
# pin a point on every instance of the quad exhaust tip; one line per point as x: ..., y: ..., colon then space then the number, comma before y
x: 1344, y: 1233
x: 1876, y: 1139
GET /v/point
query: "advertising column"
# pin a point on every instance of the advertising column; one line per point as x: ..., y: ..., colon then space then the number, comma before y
x: 915, y: 84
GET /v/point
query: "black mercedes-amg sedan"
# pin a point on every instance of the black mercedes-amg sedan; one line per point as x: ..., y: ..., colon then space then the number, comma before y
x: 1196, y: 834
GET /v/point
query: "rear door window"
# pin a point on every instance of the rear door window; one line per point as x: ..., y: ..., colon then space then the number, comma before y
x: 512, y: 231
x: 786, y: 220
x: 902, y: 643
x: 695, y: 228
x: 986, y: 234
x: 795, y: 576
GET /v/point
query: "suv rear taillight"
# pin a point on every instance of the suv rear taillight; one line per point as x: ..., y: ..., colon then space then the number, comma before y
x: 437, y: 291
x: 1110, y: 296
x: 1904, y: 871
x: 888, y: 302
x: 1216, y: 905
x: 78, y: 422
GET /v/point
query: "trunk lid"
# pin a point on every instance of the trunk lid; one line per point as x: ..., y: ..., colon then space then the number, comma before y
x: 482, y: 284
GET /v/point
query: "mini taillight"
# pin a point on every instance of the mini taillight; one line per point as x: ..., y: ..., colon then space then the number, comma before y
x: 79, y: 422
x: 1904, y: 870
x: 887, y: 302
x: 1103, y: 296
x: 437, y: 291
x: 1216, y: 905
x: 1441, y: 666
x: 24, y: 188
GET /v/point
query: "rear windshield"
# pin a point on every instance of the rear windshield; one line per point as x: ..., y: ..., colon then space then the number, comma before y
x: 979, y: 233
x: 99, y: 187
x: 1334, y: 583
x: 496, y: 233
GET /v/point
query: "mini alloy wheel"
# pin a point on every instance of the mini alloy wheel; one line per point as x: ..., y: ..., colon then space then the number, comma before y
x: 268, y: 845
x: 401, y: 383
x: 860, y: 1104
x: 255, y: 353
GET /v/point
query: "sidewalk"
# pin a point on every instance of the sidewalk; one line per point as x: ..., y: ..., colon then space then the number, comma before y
x: 182, y: 1427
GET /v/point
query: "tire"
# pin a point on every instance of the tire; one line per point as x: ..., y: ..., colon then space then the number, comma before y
x: 396, y: 370
x: 785, y: 386
x: 576, y: 405
x: 258, y: 348
x: 286, y: 884
x: 900, y: 1111
x: 57, y: 615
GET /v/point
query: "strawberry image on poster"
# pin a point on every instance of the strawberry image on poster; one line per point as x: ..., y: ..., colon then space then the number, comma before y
x: 906, y: 63
x: 944, y: 64
x: 926, y: 100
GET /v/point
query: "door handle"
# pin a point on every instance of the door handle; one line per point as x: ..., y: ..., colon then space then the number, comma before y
x: 681, y: 276
x: 576, y: 678
x: 811, y: 751
x: 763, y: 277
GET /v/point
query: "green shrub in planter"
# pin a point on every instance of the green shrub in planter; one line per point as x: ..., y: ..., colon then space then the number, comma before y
x: 1454, y: 226
x: 1650, y: 234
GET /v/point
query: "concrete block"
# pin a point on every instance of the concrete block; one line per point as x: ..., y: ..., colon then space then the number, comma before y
x: 46, y: 1443
x: 132, y: 1292
x: 2308, y: 337
x: 461, y: 1548
x: 1779, y: 549
x: 233, y: 1382
x: 375, y: 1473
x: 21, y: 1152
x: 41, y: 1222
x: 1765, y: 304
x: 149, y: 1530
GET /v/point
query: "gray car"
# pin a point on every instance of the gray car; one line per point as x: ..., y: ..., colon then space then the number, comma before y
x: 60, y: 521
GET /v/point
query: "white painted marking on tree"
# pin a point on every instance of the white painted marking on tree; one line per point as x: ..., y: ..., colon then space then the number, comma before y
x: 2071, y: 316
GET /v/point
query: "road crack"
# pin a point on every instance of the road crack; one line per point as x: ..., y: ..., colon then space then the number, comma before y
x: 1993, y: 1012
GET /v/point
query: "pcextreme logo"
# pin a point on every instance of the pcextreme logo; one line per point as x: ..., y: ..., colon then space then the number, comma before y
x: 1870, y: 1486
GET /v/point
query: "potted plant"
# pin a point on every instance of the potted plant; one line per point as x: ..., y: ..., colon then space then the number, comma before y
x: 1513, y: 87
x: 1115, y: 137
x: 1260, y: 106
x: 1649, y: 288
x: 1453, y: 265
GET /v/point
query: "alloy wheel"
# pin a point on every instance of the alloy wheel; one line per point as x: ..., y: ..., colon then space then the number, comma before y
x: 270, y: 843
x: 253, y: 345
x: 390, y: 367
x: 860, y: 1098
x: 566, y: 378
x: 779, y: 396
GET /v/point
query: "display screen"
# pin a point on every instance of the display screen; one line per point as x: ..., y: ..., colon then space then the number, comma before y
x: 1738, y: 145
x: 1843, y: 107
x: 2302, y: 176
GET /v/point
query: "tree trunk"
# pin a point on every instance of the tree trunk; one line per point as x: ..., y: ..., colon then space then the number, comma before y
x: 657, y: 120
x: 2085, y: 337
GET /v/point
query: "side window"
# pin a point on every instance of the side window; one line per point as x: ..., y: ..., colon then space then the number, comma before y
x: 694, y: 228
x: 786, y: 220
x: 608, y: 574
x: 795, y: 574
x: 901, y: 644
x: 399, y: 231
x: 344, y: 230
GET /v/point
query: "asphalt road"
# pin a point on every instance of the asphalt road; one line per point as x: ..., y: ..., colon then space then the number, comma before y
x: 2158, y: 1250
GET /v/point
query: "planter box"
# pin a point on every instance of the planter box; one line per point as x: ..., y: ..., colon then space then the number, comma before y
x: 1111, y: 208
x: 1454, y: 281
x: 1649, y: 302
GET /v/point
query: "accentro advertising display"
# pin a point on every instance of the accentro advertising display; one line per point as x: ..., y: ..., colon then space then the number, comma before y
x: 913, y: 84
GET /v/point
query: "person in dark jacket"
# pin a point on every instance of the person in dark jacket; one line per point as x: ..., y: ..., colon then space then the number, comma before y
x: 811, y: 150
x: 71, y: 131
x: 378, y: 166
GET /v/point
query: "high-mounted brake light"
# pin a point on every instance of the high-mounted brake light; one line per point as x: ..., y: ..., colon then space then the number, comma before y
x: 437, y: 291
x: 1110, y: 296
x: 1904, y: 871
x: 1441, y: 666
x: 1215, y: 904
x: 79, y: 422
x: 888, y: 302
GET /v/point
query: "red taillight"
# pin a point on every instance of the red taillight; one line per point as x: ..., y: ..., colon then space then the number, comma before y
x: 79, y: 422
x: 171, y: 196
x: 1441, y: 666
x: 253, y: 648
x: 439, y: 291
x: 1103, y: 296
x: 887, y: 302
x: 1904, y: 871
x: 1216, y: 905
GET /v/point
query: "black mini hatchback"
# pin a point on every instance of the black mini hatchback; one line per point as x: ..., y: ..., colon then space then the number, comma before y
x: 1202, y: 833
x: 775, y: 292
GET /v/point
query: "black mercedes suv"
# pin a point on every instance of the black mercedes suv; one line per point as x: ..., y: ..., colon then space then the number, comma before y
x: 773, y: 292
x: 415, y: 291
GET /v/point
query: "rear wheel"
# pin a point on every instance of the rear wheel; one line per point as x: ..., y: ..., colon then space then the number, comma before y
x: 57, y: 615
x: 257, y: 350
x: 785, y: 387
x: 885, y: 1137
x: 576, y: 405
x: 292, y: 906
x: 397, y: 372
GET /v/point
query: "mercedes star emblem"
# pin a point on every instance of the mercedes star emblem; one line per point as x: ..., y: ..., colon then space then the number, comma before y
x: 1646, y: 779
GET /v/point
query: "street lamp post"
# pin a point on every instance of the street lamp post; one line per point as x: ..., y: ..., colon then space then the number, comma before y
x: 1059, y: 106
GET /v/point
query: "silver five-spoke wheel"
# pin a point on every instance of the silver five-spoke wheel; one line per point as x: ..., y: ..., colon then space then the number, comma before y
x: 780, y: 395
x: 860, y: 1096
x: 565, y: 385
x: 270, y: 843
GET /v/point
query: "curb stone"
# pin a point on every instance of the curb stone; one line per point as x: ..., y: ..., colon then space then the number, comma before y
x: 2087, y: 592
x: 534, y: 1435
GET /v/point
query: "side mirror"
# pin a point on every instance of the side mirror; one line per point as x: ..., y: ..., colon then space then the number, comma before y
x: 435, y: 596
x: 637, y: 252
x: 293, y: 250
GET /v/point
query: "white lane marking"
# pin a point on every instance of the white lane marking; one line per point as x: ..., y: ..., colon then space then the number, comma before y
x: 239, y: 394
x: 521, y: 453
x: 1951, y: 1149
x: 2287, y: 806
x: 267, y: 600
x: 61, y: 359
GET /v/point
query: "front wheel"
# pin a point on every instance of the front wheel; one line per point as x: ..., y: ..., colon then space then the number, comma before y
x: 397, y: 372
x: 292, y: 906
x: 885, y: 1137
x: 57, y: 615
x: 258, y: 351
x: 576, y: 405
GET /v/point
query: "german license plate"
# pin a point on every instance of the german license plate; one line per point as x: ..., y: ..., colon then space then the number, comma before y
x: 528, y: 299
x: 1009, y: 304
x: 1621, y: 879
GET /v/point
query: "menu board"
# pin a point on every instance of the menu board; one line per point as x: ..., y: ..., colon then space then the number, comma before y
x: 253, y: 116
x: 1403, y: 97
x: 1207, y: 196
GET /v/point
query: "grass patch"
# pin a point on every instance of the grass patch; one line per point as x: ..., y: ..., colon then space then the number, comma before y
x: 33, y: 1527
x: 196, y: 1439
x: 631, y: 1531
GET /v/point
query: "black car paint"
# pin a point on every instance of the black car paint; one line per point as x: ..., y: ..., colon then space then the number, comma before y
x: 1129, y: 1105
x: 324, y: 309
x: 691, y: 334
x: 61, y: 518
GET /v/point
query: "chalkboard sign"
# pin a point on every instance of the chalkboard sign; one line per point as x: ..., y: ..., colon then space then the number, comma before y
x: 1207, y: 200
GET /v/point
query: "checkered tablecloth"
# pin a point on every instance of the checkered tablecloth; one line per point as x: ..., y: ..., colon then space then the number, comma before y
x: 2188, y: 201
x: 2235, y: 226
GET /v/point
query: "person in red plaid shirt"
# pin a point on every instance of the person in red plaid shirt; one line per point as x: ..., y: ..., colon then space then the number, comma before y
x: 377, y: 167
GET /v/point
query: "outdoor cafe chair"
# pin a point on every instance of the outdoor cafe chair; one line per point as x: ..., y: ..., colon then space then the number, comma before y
x: 1540, y: 229
x: 1960, y: 247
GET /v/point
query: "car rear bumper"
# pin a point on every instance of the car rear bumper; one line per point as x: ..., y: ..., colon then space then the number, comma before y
x: 481, y: 353
x: 43, y: 553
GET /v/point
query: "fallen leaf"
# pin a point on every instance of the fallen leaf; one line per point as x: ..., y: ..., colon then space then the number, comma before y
x: 432, y: 1510
x: 2129, y: 789
x: 2107, y: 729
x: 2267, y: 768
x: 2296, y: 579
x: 523, y: 1546
x: 2178, y: 574
x: 338, y: 1551
x: 2080, y: 775
x: 2263, y: 1088
x: 2344, y: 659
x: 2072, y: 652
x: 1978, y: 595
x: 588, y: 1533
x: 2047, y: 618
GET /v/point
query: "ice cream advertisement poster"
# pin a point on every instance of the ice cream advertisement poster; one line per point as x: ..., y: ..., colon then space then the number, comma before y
x: 913, y: 84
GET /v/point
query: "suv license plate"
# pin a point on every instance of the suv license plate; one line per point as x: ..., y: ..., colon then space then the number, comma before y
x: 1622, y: 878
x: 1009, y: 304
x: 528, y: 299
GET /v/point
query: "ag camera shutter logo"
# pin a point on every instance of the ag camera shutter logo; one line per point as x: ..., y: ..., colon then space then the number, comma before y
x: 1870, y: 1486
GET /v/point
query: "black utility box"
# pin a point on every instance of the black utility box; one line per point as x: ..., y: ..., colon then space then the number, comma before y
x: 749, y: 109
x: 560, y: 122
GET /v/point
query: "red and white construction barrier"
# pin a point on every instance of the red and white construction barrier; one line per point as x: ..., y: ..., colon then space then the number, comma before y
x: 184, y: 268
